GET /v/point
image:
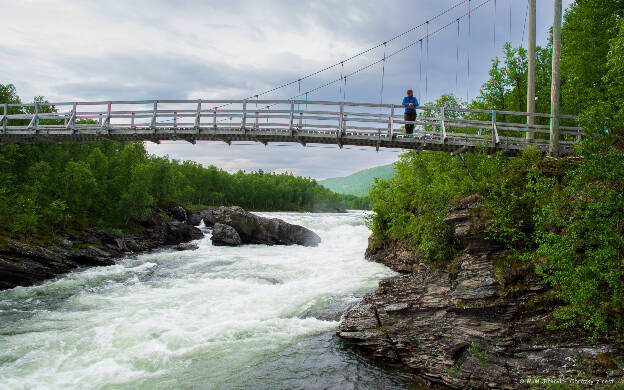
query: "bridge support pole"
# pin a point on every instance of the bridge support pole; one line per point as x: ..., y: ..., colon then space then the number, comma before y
x: 531, y: 81
x: 556, y: 82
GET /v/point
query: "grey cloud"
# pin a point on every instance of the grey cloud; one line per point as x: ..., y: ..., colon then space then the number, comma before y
x: 158, y: 71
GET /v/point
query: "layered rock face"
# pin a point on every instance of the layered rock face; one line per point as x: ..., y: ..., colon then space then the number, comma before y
x: 253, y: 229
x: 23, y: 264
x: 465, y: 329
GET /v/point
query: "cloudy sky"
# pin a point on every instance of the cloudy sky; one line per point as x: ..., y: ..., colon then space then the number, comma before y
x: 156, y: 49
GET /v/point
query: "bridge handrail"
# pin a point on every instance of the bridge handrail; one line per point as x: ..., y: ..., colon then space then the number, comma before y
x: 276, y: 102
x: 372, y: 119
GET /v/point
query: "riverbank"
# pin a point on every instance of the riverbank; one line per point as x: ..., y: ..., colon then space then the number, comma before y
x: 27, y: 262
x: 482, y: 321
x: 24, y: 263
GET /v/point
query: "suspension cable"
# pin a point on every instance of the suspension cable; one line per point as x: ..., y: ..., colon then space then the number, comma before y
x: 390, y: 55
x: 361, y: 53
x: 457, y: 60
x: 495, y: 25
x: 510, y: 34
x: 383, y: 74
x: 525, y: 20
x: 299, y: 91
x: 340, y: 93
x: 468, y: 52
x: 427, y: 66
x: 420, y: 71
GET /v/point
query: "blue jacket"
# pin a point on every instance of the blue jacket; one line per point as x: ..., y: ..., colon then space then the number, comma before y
x: 407, y: 100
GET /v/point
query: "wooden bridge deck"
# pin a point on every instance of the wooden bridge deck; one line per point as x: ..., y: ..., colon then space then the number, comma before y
x: 304, y: 122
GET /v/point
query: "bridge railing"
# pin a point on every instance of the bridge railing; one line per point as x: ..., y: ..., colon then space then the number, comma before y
x: 319, y: 117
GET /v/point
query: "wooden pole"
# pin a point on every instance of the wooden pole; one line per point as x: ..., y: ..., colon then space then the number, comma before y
x: 531, y: 82
x: 556, y: 77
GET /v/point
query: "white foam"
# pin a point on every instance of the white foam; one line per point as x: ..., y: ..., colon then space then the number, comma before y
x: 156, y: 314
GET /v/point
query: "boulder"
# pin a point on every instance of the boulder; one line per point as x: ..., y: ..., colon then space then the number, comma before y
x: 187, y: 246
x: 152, y: 218
x: 179, y: 232
x: 91, y: 256
x: 24, y: 265
x: 194, y: 218
x: 224, y: 235
x: 132, y: 245
x: 254, y: 229
x: 178, y: 213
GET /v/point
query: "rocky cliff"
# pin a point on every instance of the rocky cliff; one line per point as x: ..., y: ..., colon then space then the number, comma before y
x: 479, y: 322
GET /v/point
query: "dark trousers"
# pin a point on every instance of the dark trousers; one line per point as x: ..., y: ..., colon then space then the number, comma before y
x: 409, y: 116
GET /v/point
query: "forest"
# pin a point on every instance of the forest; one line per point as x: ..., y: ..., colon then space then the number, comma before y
x: 563, y: 217
x: 48, y: 187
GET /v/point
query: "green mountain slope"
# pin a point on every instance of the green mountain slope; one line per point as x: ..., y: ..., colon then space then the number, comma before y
x: 358, y: 183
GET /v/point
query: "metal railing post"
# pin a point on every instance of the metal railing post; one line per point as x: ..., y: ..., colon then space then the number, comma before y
x: 341, y: 119
x: 214, y: 119
x: 153, y: 123
x: 292, y: 117
x: 132, y: 122
x: 244, y: 120
x: 495, y: 139
x: 107, y: 120
x: 391, y: 122
x: 4, y: 118
x: 442, y: 111
x: 35, y: 119
x: 72, y: 120
x: 198, y: 115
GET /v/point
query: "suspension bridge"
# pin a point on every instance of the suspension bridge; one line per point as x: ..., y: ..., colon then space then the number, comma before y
x: 299, y: 121
x: 295, y: 120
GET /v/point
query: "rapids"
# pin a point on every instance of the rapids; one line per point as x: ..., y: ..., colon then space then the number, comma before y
x: 250, y: 317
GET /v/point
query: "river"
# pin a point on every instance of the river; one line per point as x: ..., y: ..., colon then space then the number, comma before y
x: 250, y: 317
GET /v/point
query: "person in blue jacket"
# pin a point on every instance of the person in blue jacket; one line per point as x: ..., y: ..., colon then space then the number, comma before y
x: 410, y: 102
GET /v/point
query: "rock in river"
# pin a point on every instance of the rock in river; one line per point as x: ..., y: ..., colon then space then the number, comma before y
x: 254, y: 229
x: 224, y: 235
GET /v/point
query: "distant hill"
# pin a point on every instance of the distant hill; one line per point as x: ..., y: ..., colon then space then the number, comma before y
x: 358, y: 183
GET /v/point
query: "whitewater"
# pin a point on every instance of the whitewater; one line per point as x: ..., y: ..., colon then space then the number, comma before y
x: 249, y: 317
